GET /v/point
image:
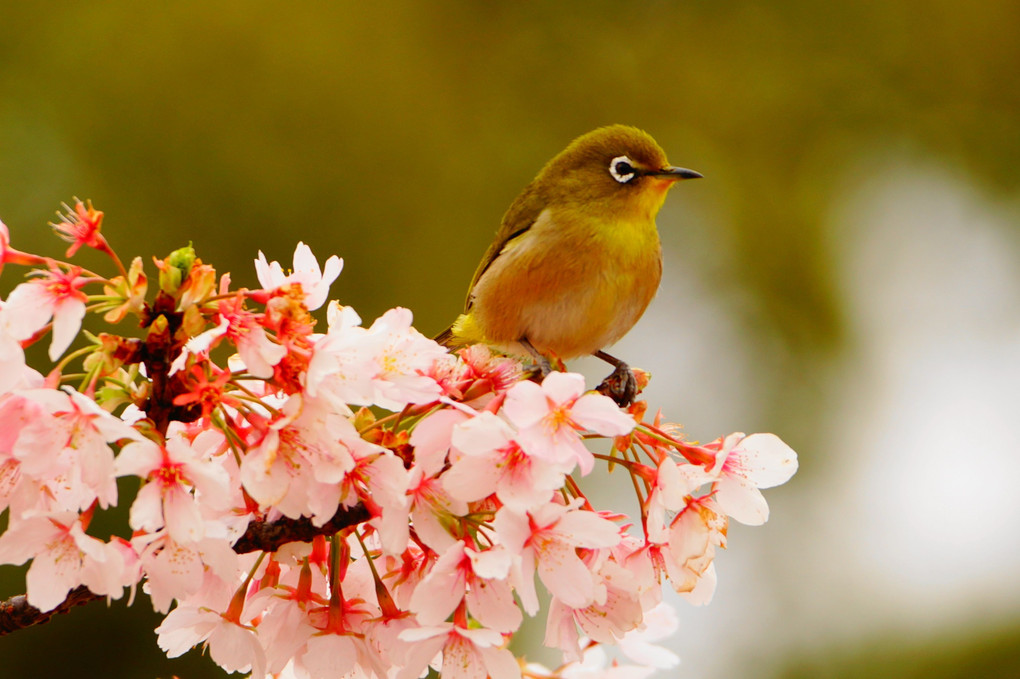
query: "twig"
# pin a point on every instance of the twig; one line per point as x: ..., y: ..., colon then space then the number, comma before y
x: 16, y: 613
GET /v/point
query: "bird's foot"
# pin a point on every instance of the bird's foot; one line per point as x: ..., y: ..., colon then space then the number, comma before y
x: 537, y: 371
x: 621, y: 385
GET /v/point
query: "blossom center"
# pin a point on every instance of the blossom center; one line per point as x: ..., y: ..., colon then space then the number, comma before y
x: 169, y: 475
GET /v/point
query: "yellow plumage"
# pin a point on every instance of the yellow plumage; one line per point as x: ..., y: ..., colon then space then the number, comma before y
x: 576, y: 259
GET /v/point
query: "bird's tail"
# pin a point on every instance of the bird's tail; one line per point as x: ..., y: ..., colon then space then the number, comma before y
x: 448, y: 339
x: 461, y: 333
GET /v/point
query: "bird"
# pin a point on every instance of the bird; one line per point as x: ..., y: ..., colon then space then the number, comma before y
x: 576, y: 259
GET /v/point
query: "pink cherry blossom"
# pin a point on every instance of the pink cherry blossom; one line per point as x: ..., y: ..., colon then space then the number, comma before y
x: 62, y: 556
x: 313, y: 280
x: 301, y: 458
x: 550, y: 416
x: 80, y: 225
x: 432, y: 438
x: 596, y: 664
x: 639, y: 645
x: 386, y: 364
x: 433, y: 510
x: 403, y: 362
x: 285, y: 627
x: 73, y: 433
x: 672, y: 484
x: 342, y: 361
x: 381, y: 481
x: 13, y: 370
x: 17, y: 489
x: 493, y: 462
x: 329, y: 655
x: 616, y: 611
x: 743, y: 464
x: 177, y: 571
x: 172, y: 472
x: 547, y: 539
x: 382, y: 637
x: 694, y: 535
x: 55, y: 452
x: 338, y: 647
x: 478, y: 579
x: 52, y: 294
x: 258, y: 352
x: 466, y: 488
x: 231, y: 645
x: 476, y: 375
x: 466, y: 653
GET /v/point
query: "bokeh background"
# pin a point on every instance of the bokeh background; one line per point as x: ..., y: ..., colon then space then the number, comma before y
x: 844, y: 276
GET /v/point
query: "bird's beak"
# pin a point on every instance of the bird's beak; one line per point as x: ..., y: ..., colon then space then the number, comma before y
x: 675, y: 173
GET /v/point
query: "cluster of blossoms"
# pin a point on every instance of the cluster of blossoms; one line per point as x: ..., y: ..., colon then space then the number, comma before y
x: 356, y: 502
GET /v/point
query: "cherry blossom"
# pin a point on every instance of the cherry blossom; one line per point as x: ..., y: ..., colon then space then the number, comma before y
x: 433, y: 510
x: 549, y: 418
x: 476, y: 578
x: 596, y: 664
x: 244, y: 421
x: 380, y: 481
x: 672, y: 484
x: 259, y: 353
x: 385, y: 364
x: 12, y: 355
x: 285, y: 626
x: 546, y: 540
x: 298, y: 462
x: 467, y: 653
x: 313, y: 280
x: 71, y: 422
x: 689, y: 556
x: 743, y: 464
x: 52, y: 294
x: 79, y: 226
x: 63, y: 557
x: 232, y: 646
x: 493, y: 462
x: 172, y: 472
x: 177, y: 571
x: 658, y: 624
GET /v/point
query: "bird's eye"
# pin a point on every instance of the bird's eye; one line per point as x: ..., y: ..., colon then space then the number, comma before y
x: 622, y: 169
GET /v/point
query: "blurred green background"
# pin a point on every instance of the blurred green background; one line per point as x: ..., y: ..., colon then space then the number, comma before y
x: 844, y: 276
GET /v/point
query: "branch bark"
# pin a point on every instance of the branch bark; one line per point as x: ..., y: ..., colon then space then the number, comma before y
x: 263, y: 536
x: 16, y: 613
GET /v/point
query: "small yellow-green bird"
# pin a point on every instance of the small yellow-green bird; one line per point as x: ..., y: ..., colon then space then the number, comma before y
x: 577, y: 258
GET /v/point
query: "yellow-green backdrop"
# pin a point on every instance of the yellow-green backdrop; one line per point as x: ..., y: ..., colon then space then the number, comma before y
x: 844, y: 276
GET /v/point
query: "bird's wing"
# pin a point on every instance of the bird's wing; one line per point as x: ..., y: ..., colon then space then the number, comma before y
x: 519, y: 218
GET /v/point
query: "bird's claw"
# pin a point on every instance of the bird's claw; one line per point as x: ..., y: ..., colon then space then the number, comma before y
x: 621, y: 386
x: 536, y: 372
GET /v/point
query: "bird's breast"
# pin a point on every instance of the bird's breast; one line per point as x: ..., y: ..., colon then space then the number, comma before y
x: 568, y: 285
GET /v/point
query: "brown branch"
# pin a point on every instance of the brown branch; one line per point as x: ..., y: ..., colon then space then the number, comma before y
x: 16, y: 613
x: 263, y: 536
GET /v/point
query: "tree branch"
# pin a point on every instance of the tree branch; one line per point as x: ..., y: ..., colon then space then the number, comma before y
x: 263, y: 536
x: 16, y: 613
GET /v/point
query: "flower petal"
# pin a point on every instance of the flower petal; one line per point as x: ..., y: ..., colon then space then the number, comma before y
x: 767, y: 460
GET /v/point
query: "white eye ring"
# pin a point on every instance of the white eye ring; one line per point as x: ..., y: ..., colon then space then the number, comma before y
x: 622, y: 169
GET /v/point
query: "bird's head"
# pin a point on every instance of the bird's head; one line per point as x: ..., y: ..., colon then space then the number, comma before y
x: 617, y: 169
